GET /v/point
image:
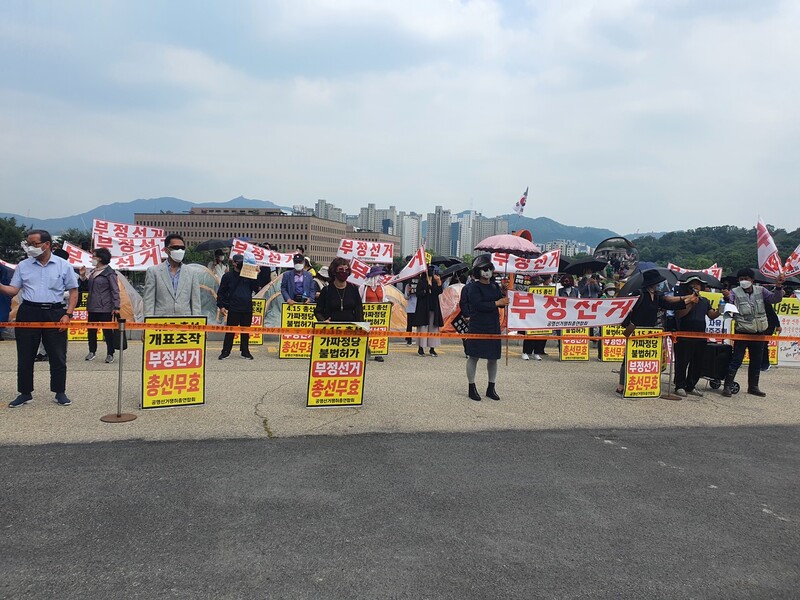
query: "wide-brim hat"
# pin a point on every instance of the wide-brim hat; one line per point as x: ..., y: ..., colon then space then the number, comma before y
x: 692, y: 278
x: 652, y: 277
x: 483, y: 261
x: 610, y: 286
x: 376, y: 270
x: 323, y: 272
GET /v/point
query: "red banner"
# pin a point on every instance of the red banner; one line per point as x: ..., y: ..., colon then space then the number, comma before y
x: 546, y: 264
x: 377, y: 252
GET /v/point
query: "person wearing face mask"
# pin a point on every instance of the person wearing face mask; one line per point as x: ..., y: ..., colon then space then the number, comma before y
x: 339, y: 301
x: 43, y: 278
x: 172, y: 289
x: 485, y: 300
x: 235, y: 301
x: 428, y: 314
x: 102, y: 304
x: 297, y: 285
x: 645, y: 311
x: 218, y: 266
x: 689, y: 352
x: 568, y: 288
x: 750, y: 301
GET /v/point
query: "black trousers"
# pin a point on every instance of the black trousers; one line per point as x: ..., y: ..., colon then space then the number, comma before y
x: 531, y: 345
x: 756, y: 351
x: 688, y: 362
x: 55, y: 344
x: 100, y: 317
x: 236, y: 319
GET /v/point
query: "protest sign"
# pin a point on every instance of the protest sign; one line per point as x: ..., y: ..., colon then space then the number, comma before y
x: 542, y: 290
x: 612, y: 346
x: 379, y: 316
x: 531, y: 311
x: 294, y: 316
x: 81, y: 315
x: 713, y: 270
x: 643, y: 365
x: 714, y: 298
x: 574, y: 348
x: 124, y: 230
x: 121, y: 246
x: 546, y: 264
x: 336, y: 369
x: 173, y: 364
x: 374, y: 252
x: 788, y: 311
x: 262, y: 256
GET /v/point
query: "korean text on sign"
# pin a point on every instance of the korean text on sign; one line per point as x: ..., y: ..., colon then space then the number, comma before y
x: 296, y: 316
x: 575, y: 348
x: 643, y: 365
x: 336, y: 371
x: 173, y: 363
x: 372, y: 252
x: 612, y: 347
x: 532, y: 311
x: 379, y: 316
x: 257, y: 323
x: 81, y: 315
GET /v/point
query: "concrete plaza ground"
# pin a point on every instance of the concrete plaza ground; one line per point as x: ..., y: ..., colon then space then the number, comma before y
x: 407, y: 393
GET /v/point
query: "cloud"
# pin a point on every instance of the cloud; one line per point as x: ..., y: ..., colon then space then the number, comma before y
x: 621, y: 114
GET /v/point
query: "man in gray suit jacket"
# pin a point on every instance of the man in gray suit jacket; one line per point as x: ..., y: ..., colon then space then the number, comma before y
x: 172, y: 289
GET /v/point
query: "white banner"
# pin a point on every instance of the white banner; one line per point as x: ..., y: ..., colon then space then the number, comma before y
x: 416, y: 266
x: 121, y: 246
x: 264, y: 258
x: 379, y: 252
x: 7, y: 264
x: 769, y: 263
x: 533, y: 311
x: 788, y: 311
x: 792, y: 266
x: 124, y: 230
x: 546, y: 264
x: 713, y: 270
x: 136, y: 261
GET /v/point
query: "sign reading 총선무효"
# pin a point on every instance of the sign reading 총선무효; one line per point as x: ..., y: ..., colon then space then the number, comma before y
x: 643, y: 365
x: 336, y: 370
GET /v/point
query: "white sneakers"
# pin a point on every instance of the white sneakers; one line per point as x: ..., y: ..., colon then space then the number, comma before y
x: 537, y: 357
x: 526, y: 357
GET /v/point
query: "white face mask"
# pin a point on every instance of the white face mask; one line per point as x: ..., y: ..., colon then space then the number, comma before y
x: 299, y: 267
x: 177, y: 255
x: 33, y: 251
x: 745, y: 284
x: 486, y: 274
x: 95, y: 262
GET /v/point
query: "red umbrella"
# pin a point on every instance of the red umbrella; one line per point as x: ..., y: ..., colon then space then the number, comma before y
x: 509, y: 244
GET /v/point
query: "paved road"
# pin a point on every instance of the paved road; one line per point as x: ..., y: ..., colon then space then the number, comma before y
x: 664, y: 513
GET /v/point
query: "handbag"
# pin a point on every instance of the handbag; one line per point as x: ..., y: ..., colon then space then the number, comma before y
x: 118, y: 342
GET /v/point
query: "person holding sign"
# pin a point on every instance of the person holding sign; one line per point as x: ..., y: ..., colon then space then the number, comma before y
x: 297, y: 285
x: 689, y: 352
x: 235, y: 300
x: 339, y: 301
x: 645, y: 311
x: 102, y: 305
x: 43, y: 278
x: 172, y: 289
x: 485, y: 299
x: 750, y: 301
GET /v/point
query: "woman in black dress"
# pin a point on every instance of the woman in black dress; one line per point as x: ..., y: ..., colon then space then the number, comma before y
x: 339, y: 301
x: 485, y: 299
x: 428, y: 316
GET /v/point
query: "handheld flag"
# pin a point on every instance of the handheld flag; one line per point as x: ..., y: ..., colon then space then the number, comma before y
x: 769, y: 263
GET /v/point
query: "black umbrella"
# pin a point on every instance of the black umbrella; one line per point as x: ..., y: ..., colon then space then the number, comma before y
x: 707, y: 279
x: 578, y: 267
x: 563, y: 263
x: 447, y: 261
x: 214, y: 244
x: 462, y: 266
x: 634, y: 282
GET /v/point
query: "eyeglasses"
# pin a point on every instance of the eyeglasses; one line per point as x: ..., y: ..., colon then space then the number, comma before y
x: 26, y: 244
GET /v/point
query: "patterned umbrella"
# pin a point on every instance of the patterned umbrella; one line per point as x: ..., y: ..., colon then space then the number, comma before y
x: 509, y: 244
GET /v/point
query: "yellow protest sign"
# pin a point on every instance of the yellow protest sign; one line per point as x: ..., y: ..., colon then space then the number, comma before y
x: 575, y: 348
x: 336, y: 371
x: 81, y: 315
x: 259, y: 310
x: 643, y: 365
x: 612, y: 346
x: 713, y: 298
x: 379, y: 316
x: 428, y: 258
x: 173, y: 364
x: 296, y: 316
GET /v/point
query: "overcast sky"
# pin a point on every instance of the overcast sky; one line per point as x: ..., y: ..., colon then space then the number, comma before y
x: 623, y: 114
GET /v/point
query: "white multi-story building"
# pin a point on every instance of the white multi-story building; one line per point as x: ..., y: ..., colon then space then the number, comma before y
x: 568, y: 247
x: 325, y: 210
x: 409, y: 228
x: 437, y: 237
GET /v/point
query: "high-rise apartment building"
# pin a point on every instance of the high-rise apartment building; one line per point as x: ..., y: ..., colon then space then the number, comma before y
x: 409, y: 229
x: 437, y: 237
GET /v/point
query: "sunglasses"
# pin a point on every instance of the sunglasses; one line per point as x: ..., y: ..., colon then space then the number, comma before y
x: 177, y: 247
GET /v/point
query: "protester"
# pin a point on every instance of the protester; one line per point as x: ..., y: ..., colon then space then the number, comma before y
x: 102, y: 304
x: 6, y: 273
x: 339, y: 301
x: 750, y: 301
x: 235, y: 300
x: 645, y: 311
x: 535, y: 345
x: 218, y: 266
x: 410, y: 292
x: 172, y: 289
x: 428, y: 314
x: 689, y: 352
x: 43, y: 279
x: 589, y: 286
x: 568, y: 288
x: 610, y: 290
x: 374, y: 291
x: 463, y: 306
x: 320, y: 281
x: 485, y: 298
x: 297, y: 285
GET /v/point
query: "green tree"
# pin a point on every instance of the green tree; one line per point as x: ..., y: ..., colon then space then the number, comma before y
x: 11, y: 235
x: 77, y: 237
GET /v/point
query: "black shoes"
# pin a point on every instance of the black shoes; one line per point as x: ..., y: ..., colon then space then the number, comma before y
x: 433, y: 352
x: 224, y: 355
x: 246, y: 356
x: 420, y: 351
x: 755, y: 392
x: 491, y: 392
x: 473, y: 393
x: 378, y: 359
